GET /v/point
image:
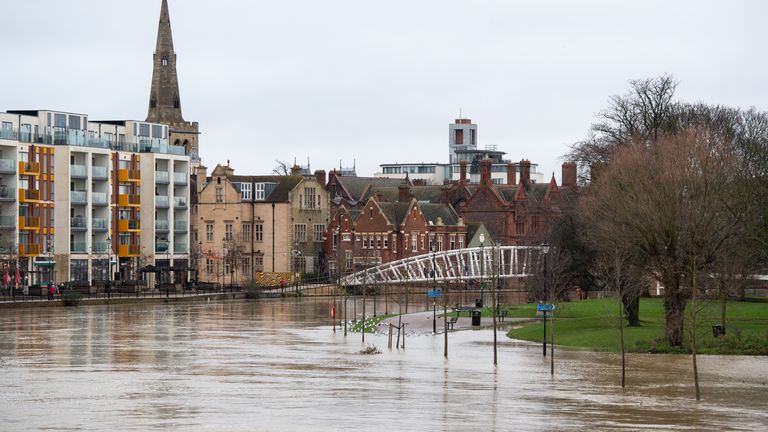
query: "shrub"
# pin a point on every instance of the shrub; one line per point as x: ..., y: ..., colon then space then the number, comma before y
x: 70, y: 298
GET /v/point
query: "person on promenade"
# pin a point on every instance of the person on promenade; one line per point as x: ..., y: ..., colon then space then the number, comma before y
x: 51, y: 290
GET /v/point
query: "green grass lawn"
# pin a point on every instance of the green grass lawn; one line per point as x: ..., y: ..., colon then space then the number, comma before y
x: 592, y: 324
x: 371, y: 323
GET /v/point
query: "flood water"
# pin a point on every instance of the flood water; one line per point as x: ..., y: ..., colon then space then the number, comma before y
x: 276, y: 365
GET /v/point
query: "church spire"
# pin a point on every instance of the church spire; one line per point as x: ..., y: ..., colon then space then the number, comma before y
x: 164, y: 100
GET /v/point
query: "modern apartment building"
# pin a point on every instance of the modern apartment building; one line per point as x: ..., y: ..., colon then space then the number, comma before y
x: 90, y: 201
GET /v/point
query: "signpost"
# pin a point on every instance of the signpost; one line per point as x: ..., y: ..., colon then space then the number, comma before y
x: 542, y: 309
x: 433, y: 294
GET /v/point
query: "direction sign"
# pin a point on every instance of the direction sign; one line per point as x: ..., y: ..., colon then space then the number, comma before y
x: 434, y: 293
x: 545, y: 307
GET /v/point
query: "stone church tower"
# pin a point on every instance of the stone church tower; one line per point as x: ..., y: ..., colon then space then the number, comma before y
x: 164, y: 98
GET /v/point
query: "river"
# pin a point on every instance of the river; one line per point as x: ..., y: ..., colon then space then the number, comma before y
x: 276, y: 365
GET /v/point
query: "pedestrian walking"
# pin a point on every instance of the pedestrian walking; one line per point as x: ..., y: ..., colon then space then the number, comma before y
x: 51, y: 291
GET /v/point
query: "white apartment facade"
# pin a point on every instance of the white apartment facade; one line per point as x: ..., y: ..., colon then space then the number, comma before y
x: 90, y: 201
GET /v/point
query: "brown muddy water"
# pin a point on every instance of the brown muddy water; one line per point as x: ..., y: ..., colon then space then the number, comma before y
x: 276, y: 365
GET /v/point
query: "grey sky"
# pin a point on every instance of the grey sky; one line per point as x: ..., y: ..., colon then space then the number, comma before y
x: 379, y: 81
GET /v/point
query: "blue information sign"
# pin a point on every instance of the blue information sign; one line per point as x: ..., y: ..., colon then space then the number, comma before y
x: 434, y: 293
x: 545, y: 307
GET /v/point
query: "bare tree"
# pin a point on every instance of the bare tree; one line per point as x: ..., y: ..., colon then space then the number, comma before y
x: 668, y: 204
x: 282, y: 168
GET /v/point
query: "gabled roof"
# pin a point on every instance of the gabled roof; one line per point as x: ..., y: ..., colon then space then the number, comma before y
x: 430, y: 194
x: 395, y: 212
x: 432, y: 212
x: 357, y: 187
x: 283, y: 189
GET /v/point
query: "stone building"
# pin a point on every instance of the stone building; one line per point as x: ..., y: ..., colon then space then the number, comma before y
x: 259, y: 228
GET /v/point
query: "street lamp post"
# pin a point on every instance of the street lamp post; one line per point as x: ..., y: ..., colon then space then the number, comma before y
x: 434, y: 288
x: 109, y: 263
x: 482, y: 265
x: 545, y: 250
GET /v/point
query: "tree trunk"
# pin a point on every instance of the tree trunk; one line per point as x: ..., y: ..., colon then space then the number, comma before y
x: 674, y: 310
x: 621, y: 335
x: 632, y: 307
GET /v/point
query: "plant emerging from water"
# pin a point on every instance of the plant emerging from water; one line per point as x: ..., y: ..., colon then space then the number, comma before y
x: 370, y: 349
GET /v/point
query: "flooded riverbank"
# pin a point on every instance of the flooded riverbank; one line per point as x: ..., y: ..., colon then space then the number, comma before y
x: 276, y: 365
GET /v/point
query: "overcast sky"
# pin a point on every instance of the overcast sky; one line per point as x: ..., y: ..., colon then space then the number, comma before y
x: 379, y: 82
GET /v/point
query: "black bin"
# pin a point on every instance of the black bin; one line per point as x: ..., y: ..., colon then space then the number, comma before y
x: 718, y: 330
x: 476, y: 318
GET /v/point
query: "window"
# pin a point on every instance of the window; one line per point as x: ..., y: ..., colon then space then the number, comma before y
x: 259, y: 196
x: 208, y: 265
x: 459, y: 136
x: 365, y: 242
x: 423, y: 242
x: 258, y: 231
x: 300, y: 232
x: 165, y: 59
x: 335, y: 240
x: 461, y: 242
x: 317, y: 232
x: 440, y: 243
x: 246, y: 265
x: 219, y: 194
x: 378, y: 242
x: 520, y: 225
x: 258, y: 262
x: 310, y: 198
x: 228, y: 232
x: 349, y: 259
x: 346, y: 237
x: 453, y: 242
x: 209, y: 232
x: 386, y: 241
x: 414, y: 242
x: 246, y: 232
x: 245, y: 188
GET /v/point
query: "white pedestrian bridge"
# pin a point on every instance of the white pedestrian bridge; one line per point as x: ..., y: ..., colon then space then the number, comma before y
x: 453, y: 265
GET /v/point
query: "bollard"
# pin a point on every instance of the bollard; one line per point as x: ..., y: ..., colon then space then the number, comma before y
x: 389, y: 341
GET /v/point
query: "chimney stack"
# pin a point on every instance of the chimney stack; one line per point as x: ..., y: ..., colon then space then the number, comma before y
x: 320, y: 177
x: 525, y: 171
x: 485, y: 172
x: 511, y: 174
x: 403, y: 193
x: 463, y: 173
x: 569, y: 174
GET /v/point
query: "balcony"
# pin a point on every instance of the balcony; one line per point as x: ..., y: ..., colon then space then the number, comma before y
x: 128, y: 250
x: 180, y: 248
x: 161, y: 177
x: 179, y: 202
x: 180, y: 226
x: 7, y: 166
x: 128, y: 225
x: 100, y: 247
x: 128, y: 175
x: 161, y: 247
x: 180, y: 178
x: 99, y: 173
x: 128, y: 200
x: 29, y: 168
x: 99, y: 224
x: 161, y: 225
x: 7, y: 194
x: 79, y: 197
x: 29, y: 196
x: 161, y: 201
x: 29, y: 223
x: 99, y: 198
x: 78, y: 247
x: 29, y: 250
x: 78, y: 171
x: 78, y: 223
x: 8, y: 222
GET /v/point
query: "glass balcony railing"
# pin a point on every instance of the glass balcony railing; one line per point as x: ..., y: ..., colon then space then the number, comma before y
x: 180, y: 248
x: 99, y: 223
x: 161, y: 247
x: 180, y: 178
x: 99, y: 173
x: 161, y: 176
x: 78, y: 222
x: 8, y: 221
x: 161, y: 201
x: 79, y: 197
x: 7, y: 166
x: 100, y: 247
x: 78, y: 171
x: 78, y: 247
x: 99, y: 198
x: 179, y: 202
x: 180, y: 225
x: 161, y: 224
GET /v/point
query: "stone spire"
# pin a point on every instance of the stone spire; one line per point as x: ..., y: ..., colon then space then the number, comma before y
x: 164, y: 100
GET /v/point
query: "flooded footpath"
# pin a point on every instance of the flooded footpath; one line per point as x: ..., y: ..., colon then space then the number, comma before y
x: 276, y: 365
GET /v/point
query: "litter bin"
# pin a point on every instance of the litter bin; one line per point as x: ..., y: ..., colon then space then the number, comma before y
x: 479, y: 303
x: 718, y: 330
x: 476, y: 318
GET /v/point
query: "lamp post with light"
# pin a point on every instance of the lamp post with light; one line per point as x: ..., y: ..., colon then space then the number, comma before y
x: 545, y: 250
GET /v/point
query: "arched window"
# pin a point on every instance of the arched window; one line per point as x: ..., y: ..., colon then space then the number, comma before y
x: 153, y: 102
x: 186, y: 143
x: 165, y: 59
x: 177, y: 143
x: 176, y: 102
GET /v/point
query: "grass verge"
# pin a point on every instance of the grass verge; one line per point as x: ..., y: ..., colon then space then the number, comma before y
x: 592, y: 324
